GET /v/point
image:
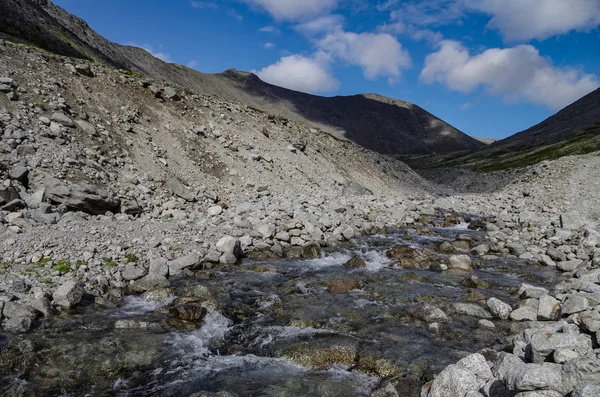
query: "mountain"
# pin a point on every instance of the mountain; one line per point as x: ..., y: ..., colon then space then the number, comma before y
x: 382, y: 124
x: 573, y: 130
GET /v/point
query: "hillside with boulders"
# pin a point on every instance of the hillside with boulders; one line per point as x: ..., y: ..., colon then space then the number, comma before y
x: 387, y: 125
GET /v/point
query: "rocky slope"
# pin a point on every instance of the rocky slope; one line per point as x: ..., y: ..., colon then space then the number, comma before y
x: 573, y: 130
x: 386, y: 125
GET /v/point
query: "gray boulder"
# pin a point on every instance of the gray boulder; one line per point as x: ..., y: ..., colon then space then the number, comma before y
x: 63, y: 119
x: 499, y: 309
x: 185, y: 262
x: 575, y: 304
x: 530, y: 377
x: 133, y: 272
x: 68, y: 294
x: 230, y: 249
x: 85, y: 198
x: 468, y: 375
x: 19, y: 173
x: 587, y: 391
x: 18, y: 317
x: 543, y: 344
x: 570, y: 220
x: 471, y: 309
x: 460, y: 262
x: 548, y: 309
x: 581, y: 372
x: 178, y: 188
x: 84, y: 69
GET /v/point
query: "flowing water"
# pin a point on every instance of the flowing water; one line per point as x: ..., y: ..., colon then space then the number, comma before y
x: 274, y: 329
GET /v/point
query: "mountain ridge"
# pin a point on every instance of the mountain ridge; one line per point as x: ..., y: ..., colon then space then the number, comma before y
x: 387, y: 126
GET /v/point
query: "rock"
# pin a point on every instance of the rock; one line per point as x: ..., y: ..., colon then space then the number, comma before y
x: 525, y: 313
x: 68, y: 294
x: 170, y: 93
x: 548, y: 309
x: 429, y: 313
x: 179, y: 189
x: 84, y: 69
x: 468, y: 375
x: 184, y: 262
x: 543, y: 344
x: 341, y: 286
x: 539, y: 393
x: 475, y: 282
x: 460, y: 262
x: 194, y: 312
x: 499, y: 309
x: 590, y: 320
x: 581, y: 372
x: 408, y: 257
x: 8, y: 194
x: 587, y: 391
x: 531, y: 377
x: 19, y: 173
x: 348, y: 233
x: 230, y: 248
x: 531, y: 291
x: 575, y: 304
x: 267, y: 230
x: 133, y: 272
x: 150, y: 282
x: 516, y: 249
x: 63, y: 119
x: 85, y: 198
x: 471, y: 309
x: 570, y: 220
x: 569, y: 266
x: 19, y: 317
x: 215, y: 210
x: 86, y: 127
x: 483, y: 323
x: 158, y: 267
x: 355, y: 263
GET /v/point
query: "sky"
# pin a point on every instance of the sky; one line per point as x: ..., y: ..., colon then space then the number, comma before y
x: 491, y: 68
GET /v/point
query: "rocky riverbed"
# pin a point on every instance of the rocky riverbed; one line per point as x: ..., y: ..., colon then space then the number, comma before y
x: 340, y: 324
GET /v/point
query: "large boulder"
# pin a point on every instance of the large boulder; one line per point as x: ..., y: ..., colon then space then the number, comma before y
x: 469, y: 375
x: 85, y: 198
x: 230, y: 249
x: 68, y: 294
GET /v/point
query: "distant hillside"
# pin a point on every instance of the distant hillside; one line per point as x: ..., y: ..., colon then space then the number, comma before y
x: 573, y: 130
x: 382, y: 124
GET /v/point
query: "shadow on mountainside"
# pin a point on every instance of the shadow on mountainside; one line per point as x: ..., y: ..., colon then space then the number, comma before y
x: 378, y: 123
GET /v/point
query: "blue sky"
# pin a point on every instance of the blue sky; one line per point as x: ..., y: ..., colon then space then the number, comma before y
x: 489, y: 67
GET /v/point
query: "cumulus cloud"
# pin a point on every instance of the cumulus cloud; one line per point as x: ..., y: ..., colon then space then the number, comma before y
x: 294, y: 9
x: 300, y: 73
x: 379, y: 54
x: 517, y: 74
x: 519, y: 20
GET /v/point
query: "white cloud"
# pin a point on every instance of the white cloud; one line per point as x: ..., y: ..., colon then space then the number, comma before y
x: 192, y: 64
x: 322, y: 24
x: 300, y: 73
x: 417, y: 34
x: 294, y: 9
x: 269, y: 45
x: 517, y: 74
x: 379, y: 54
x: 425, y: 12
x: 522, y: 20
x: 269, y: 29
